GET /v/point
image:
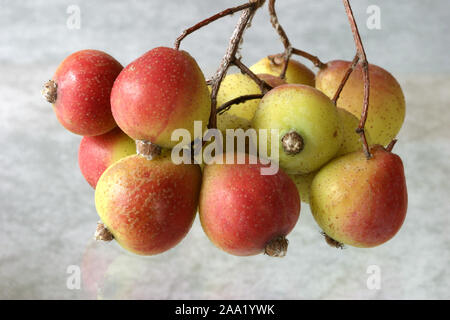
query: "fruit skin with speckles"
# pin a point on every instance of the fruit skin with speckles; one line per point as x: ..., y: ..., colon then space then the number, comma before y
x: 241, y: 210
x: 308, y: 112
x: 159, y: 92
x: 295, y: 73
x: 148, y: 206
x: 361, y: 202
x: 237, y: 84
x: 386, y: 101
x: 97, y: 153
x: 84, y: 81
x: 351, y: 141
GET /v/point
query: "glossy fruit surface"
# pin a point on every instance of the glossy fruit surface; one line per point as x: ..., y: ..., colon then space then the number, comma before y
x: 160, y: 92
x: 241, y: 210
x: 97, y: 153
x: 386, y: 101
x: 296, y: 71
x: 148, y: 206
x: 360, y: 202
x: 307, y: 112
x: 84, y: 81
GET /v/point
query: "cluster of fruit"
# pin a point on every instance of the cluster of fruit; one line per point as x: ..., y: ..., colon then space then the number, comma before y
x: 147, y: 203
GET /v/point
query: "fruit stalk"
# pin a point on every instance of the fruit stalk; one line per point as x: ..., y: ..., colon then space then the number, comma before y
x: 263, y: 85
x: 345, y: 78
x: 362, y: 59
x: 230, y: 57
x: 224, y: 107
x: 207, y: 21
x: 288, y: 49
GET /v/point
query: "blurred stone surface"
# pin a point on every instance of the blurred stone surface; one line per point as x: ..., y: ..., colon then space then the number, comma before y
x: 48, y: 217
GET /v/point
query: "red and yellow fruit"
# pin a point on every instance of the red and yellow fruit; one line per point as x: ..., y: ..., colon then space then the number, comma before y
x: 148, y: 206
x: 386, y: 101
x: 244, y: 212
x: 159, y: 92
x: 360, y: 202
x: 80, y: 92
x: 97, y: 153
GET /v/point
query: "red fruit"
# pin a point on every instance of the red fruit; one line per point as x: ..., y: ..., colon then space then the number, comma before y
x: 246, y: 213
x: 161, y: 91
x: 148, y: 206
x: 96, y: 154
x: 80, y: 92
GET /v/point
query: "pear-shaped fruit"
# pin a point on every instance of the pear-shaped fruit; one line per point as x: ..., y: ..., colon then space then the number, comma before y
x: 160, y: 92
x: 148, y: 206
x: 308, y: 126
x: 244, y: 212
x: 351, y: 141
x: 360, y: 202
x: 386, y: 101
x: 296, y: 72
x: 97, y: 153
x: 303, y: 183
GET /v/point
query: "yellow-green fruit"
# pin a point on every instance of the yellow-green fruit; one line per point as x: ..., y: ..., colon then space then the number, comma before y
x: 307, y: 123
x: 303, y: 183
x: 350, y: 139
x: 230, y: 121
x: 295, y: 73
x: 386, y: 101
x: 236, y: 85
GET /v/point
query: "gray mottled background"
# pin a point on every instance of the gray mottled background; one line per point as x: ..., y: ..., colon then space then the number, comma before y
x: 47, y: 214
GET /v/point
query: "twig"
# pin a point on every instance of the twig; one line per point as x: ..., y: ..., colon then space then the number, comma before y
x: 288, y: 49
x: 207, y: 21
x: 227, y: 105
x: 246, y: 16
x: 283, y: 36
x: 345, y: 78
x: 365, y: 68
x: 264, y: 86
x: 391, y: 145
x: 314, y: 59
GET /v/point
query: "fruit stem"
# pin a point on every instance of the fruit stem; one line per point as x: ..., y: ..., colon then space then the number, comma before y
x: 230, y: 55
x: 263, y: 86
x: 227, y: 105
x: 362, y: 59
x: 292, y: 143
x: 207, y: 21
x: 345, y: 78
x: 147, y: 149
x: 277, y: 247
x: 391, y: 145
x: 102, y: 233
x: 49, y: 91
x: 288, y: 49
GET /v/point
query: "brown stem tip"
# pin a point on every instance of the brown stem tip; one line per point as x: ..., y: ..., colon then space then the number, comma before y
x: 147, y: 149
x: 332, y: 243
x: 292, y: 143
x: 49, y: 91
x: 277, y: 247
x: 102, y: 233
